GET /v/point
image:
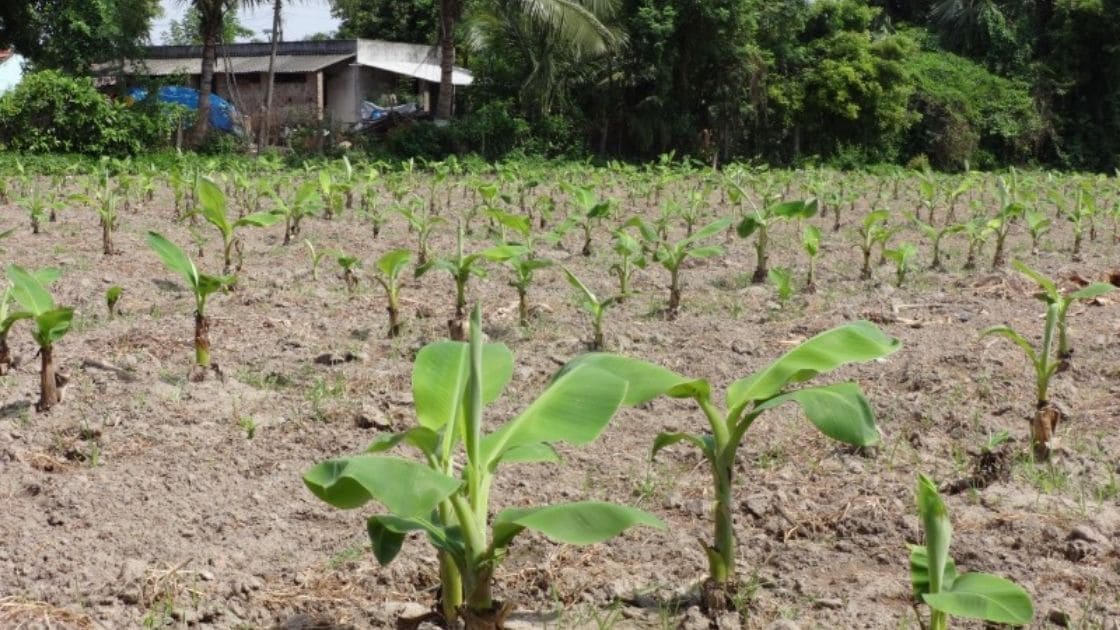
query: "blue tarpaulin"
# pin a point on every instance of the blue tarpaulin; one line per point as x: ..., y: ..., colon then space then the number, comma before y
x: 223, y: 116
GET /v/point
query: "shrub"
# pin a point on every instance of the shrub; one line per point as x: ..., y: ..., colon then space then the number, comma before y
x: 49, y: 112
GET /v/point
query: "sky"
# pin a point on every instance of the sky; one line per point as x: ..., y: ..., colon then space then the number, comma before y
x: 300, y: 19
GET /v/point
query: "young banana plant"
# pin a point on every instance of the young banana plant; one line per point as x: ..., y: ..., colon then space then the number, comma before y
x: 389, y: 269
x: 421, y: 221
x: 935, y: 235
x: 112, y: 300
x: 524, y: 267
x: 1047, y: 415
x: 448, y: 496
x: 761, y: 221
x: 1000, y: 225
x: 1051, y: 294
x: 871, y: 231
x: 631, y: 256
x: 350, y: 266
x: 593, y: 305
x: 590, y: 212
x: 1038, y: 224
x: 811, y: 243
x: 840, y: 411
x: 214, y: 209
x: 902, y: 257
x: 29, y: 290
x: 305, y: 203
x: 461, y: 268
x: 947, y: 593
x: 203, y: 286
x: 672, y: 256
x: 782, y: 279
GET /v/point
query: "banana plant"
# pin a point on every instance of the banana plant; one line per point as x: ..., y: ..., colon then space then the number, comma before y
x: 350, y: 266
x: 112, y: 300
x: 839, y: 410
x: 935, y: 235
x: 35, y: 204
x: 462, y: 267
x: 761, y: 221
x: 1038, y: 224
x: 595, y: 306
x: 630, y: 257
x: 672, y: 256
x: 29, y: 290
x: 937, y: 583
x: 524, y: 267
x: 782, y: 279
x: 1047, y: 415
x: 389, y: 269
x: 1082, y: 212
x: 448, y: 496
x: 589, y: 213
x: 811, y: 243
x: 214, y: 209
x: 202, y: 286
x: 8, y: 318
x: 977, y: 232
x: 104, y: 200
x: 304, y: 204
x: 1010, y: 211
x: 421, y: 221
x: 1051, y: 294
x: 873, y: 229
x: 901, y: 256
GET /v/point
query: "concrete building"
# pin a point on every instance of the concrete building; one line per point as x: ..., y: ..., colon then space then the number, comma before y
x: 314, y: 80
x: 11, y: 70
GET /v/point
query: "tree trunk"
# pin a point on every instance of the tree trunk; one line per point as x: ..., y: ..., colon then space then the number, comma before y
x: 211, y: 29
x: 266, y: 114
x: 48, y: 386
x: 449, y: 11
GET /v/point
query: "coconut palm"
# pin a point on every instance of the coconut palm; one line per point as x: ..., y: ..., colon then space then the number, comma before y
x: 549, y: 32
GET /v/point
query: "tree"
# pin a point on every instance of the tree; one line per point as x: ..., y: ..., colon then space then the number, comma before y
x: 545, y: 44
x: 73, y: 36
x: 412, y: 21
x: 185, y: 31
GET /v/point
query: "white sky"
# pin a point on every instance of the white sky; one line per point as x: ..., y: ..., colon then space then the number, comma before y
x: 301, y: 18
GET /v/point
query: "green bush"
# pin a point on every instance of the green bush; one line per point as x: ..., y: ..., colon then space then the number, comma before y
x: 422, y: 139
x: 51, y: 112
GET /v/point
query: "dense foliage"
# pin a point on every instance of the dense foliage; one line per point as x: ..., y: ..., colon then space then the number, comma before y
x: 49, y: 112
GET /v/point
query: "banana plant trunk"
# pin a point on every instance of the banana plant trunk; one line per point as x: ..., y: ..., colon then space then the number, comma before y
x: 202, y: 340
x: 394, y: 319
x: 522, y: 307
x: 5, y: 355
x: 1043, y: 424
x: 107, y: 238
x: 760, y: 270
x: 719, y: 588
x: 48, y: 386
x: 674, y: 296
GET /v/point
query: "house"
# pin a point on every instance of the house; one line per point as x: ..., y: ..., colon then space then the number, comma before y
x: 313, y: 80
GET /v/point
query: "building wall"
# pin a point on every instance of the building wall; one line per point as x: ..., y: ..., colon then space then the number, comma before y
x: 294, y: 97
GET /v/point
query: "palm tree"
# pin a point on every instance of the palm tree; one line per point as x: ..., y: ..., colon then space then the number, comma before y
x: 554, y: 35
x: 450, y: 11
x: 211, y: 18
x: 965, y: 25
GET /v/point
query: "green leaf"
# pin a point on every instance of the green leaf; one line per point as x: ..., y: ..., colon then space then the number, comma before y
x: 28, y: 291
x: 984, y: 596
x: 405, y: 487
x: 499, y: 253
x: 938, y: 532
x: 580, y: 286
x: 53, y: 325
x: 259, y: 219
x: 213, y: 202
x: 386, y: 543
x: 713, y: 228
x: 859, y: 341
x: 919, y: 570
x: 439, y: 379
x: 575, y: 408
x: 422, y: 438
x: 644, y: 381
x: 1047, y: 284
x: 840, y: 411
x: 393, y: 262
x: 208, y: 285
x: 174, y: 258
x: 582, y: 523
x: 1019, y: 340
x: 749, y: 225
x: 530, y: 454
x: 1091, y: 291
x: 699, y: 389
x: 705, y: 443
x: 794, y: 209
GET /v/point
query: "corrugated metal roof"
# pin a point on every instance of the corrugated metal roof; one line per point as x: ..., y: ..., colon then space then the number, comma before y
x: 285, y: 64
x: 427, y: 71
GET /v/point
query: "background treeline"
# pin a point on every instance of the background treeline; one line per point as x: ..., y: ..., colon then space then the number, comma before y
x: 982, y: 83
x: 849, y: 82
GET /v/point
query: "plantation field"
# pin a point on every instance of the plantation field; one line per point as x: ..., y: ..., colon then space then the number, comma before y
x: 158, y: 494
